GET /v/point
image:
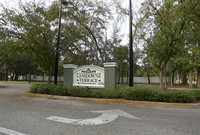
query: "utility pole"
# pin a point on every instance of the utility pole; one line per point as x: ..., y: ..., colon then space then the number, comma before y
x: 130, y: 46
x: 58, y: 42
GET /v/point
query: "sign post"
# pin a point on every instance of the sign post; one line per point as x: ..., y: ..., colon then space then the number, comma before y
x: 110, y: 75
x: 68, y: 74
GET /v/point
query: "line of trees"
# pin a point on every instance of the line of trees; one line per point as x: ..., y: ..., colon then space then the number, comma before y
x: 174, y: 45
x: 165, y: 37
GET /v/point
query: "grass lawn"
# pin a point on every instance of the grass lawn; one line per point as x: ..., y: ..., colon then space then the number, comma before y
x: 26, y: 82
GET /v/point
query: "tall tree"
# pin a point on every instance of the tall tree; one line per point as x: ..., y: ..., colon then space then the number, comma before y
x: 83, y: 32
x: 89, y: 20
x: 121, y: 57
x: 172, y: 21
x: 32, y: 27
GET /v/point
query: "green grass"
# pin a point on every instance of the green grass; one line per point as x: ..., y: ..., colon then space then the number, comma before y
x: 32, y: 82
x: 24, y: 82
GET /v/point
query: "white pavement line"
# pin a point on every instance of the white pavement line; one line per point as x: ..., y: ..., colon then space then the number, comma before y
x: 10, y: 132
x: 63, y: 120
x: 106, y: 117
x: 103, y: 119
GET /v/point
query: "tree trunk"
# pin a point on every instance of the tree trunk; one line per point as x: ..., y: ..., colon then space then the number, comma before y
x: 118, y: 78
x: 119, y: 75
x: 43, y: 77
x: 29, y: 80
x: 179, y: 78
x: 49, y: 76
x: 194, y: 77
x: 184, y: 77
x: 148, y: 77
x: 6, y: 75
x: 122, y: 76
x: 161, y: 72
x: 13, y: 79
x: 165, y: 78
x: 198, y: 78
x: 12, y: 76
x: 16, y: 77
x: 127, y: 77
x: 190, y: 79
x: 171, y: 79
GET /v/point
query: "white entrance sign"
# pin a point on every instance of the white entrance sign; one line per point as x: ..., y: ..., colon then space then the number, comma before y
x: 88, y: 76
x: 106, y: 117
x: 9, y: 132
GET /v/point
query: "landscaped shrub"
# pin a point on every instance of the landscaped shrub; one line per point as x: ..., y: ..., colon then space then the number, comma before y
x: 139, y: 93
x: 156, y: 96
x: 152, y: 94
x: 80, y: 92
x: 196, y: 93
x: 177, y: 96
x: 121, y: 92
x: 60, y: 90
x: 131, y: 93
x: 106, y: 93
x: 34, y: 88
x: 49, y: 89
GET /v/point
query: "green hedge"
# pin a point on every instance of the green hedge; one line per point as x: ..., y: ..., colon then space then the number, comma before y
x: 196, y: 93
x: 49, y: 89
x: 80, y: 92
x: 131, y: 93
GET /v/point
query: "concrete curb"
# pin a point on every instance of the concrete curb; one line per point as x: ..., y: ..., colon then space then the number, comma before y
x: 116, y: 101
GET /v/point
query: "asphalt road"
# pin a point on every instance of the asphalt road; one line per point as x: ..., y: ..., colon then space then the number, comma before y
x: 22, y: 115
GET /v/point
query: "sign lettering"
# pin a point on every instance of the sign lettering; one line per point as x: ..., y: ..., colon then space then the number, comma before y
x: 89, y: 76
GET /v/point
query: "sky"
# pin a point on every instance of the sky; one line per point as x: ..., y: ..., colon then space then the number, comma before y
x: 123, y: 25
x: 13, y: 3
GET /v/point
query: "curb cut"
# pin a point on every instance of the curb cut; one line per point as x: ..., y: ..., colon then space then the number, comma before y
x: 116, y: 101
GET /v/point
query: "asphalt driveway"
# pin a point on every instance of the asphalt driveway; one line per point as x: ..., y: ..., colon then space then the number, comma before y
x: 23, y: 115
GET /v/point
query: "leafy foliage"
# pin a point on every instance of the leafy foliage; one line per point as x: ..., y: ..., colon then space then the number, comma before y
x: 196, y: 93
x: 131, y: 93
x: 80, y: 92
x: 34, y: 28
x: 49, y: 89
x: 174, y: 25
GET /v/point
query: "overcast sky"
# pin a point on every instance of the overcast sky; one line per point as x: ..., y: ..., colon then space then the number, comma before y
x: 124, y: 26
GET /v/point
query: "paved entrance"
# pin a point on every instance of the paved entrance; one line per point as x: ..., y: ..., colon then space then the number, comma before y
x: 24, y: 115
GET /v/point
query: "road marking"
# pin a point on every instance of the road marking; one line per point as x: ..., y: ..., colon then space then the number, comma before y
x: 63, y: 120
x: 106, y: 117
x: 9, y: 132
